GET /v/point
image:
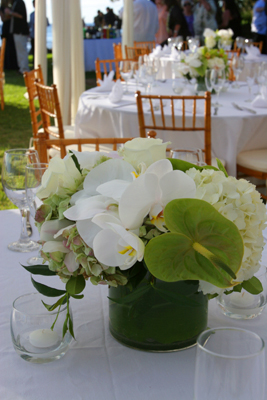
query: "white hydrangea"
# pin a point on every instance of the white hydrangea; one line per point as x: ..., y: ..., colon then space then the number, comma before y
x: 216, y: 63
x: 240, y: 202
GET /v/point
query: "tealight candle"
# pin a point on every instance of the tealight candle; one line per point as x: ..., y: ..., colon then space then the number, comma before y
x: 243, y: 299
x: 43, y: 338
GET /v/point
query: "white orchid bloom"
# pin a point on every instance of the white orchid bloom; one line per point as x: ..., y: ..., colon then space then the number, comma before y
x: 117, y: 247
x: 88, y: 207
x: 107, y: 171
x: 151, y: 192
x: 193, y: 60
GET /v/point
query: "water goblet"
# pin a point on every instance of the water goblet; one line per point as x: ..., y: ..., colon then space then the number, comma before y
x: 239, y: 41
x: 126, y: 72
x: 179, y: 42
x: 238, y: 66
x: 217, y: 78
x: 250, y: 78
x: 33, y: 182
x: 171, y: 42
x: 13, y: 181
x: 208, y: 83
x: 230, y: 364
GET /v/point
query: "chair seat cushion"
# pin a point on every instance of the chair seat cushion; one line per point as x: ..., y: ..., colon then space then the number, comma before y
x: 253, y: 159
x: 69, y: 132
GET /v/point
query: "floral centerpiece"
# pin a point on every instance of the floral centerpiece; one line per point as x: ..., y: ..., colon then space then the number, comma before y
x: 220, y: 38
x: 162, y: 233
x: 194, y: 65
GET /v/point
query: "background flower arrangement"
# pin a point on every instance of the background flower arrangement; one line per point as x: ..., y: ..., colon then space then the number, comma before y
x: 220, y: 38
x: 111, y: 218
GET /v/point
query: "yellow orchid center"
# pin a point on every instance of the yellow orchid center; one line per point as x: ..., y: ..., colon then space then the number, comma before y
x: 135, y: 174
x: 130, y: 249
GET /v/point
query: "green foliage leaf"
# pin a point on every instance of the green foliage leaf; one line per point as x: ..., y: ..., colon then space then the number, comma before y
x: 182, y: 165
x: 136, y: 294
x: 202, y: 245
x: 77, y: 296
x: 178, y: 298
x: 76, y: 162
x: 60, y: 301
x: 221, y: 167
x: 39, y: 270
x: 75, y: 285
x: 253, y: 285
x: 71, y: 327
x: 46, y: 290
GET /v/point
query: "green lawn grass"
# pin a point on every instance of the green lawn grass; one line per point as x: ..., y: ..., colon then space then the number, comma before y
x: 15, y: 122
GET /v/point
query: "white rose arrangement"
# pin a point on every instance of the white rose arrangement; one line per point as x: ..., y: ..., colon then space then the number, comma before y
x: 103, y: 214
x: 222, y: 37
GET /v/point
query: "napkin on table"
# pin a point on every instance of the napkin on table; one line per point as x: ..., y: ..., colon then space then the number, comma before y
x: 252, y: 53
x: 175, y: 54
x: 260, y: 101
x: 106, y: 84
x: 116, y: 93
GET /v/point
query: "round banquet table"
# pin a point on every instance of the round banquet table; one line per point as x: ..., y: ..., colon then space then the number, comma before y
x: 232, y: 130
x: 96, y: 366
x: 165, y: 66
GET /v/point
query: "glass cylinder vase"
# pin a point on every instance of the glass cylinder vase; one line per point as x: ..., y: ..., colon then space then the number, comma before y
x: 158, y: 316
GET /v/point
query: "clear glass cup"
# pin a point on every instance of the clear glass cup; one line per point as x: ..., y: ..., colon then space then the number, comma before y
x: 238, y: 66
x: 208, y: 83
x: 230, y: 364
x: 193, y: 156
x: 250, y: 78
x: 217, y: 79
x: 126, y: 72
x: 13, y: 181
x: 240, y: 41
x: 31, y: 333
x: 245, y: 305
x: 33, y: 182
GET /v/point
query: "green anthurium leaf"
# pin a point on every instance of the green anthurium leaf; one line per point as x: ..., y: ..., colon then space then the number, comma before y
x: 60, y: 301
x: 39, y: 270
x: 75, y: 285
x: 132, y: 296
x: 253, y: 285
x: 202, y: 245
x: 221, y: 167
x: 182, y: 165
x: 46, y: 290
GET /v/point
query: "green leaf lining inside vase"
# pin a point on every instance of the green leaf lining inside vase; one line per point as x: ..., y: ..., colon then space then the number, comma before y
x: 201, y: 245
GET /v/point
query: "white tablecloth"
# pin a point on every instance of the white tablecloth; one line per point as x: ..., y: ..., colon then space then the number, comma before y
x: 165, y: 68
x: 232, y: 130
x: 98, y: 48
x: 96, y: 367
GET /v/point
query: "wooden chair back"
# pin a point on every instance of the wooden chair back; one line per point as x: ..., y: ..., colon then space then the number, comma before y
x: 35, y: 112
x: 256, y: 44
x: 50, y: 109
x: 160, y: 121
x: 86, y: 144
x: 231, y: 54
x: 117, y: 50
x: 151, y: 45
x: 134, y: 52
x: 103, y: 67
x: 2, y: 74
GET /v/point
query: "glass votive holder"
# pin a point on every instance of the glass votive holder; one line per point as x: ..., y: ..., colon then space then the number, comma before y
x: 31, y: 333
x: 244, y: 305
x: 193, y: 156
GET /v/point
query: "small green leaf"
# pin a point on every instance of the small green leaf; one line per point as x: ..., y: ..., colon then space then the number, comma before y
x: 65, y: 326
x: 77, y: 296
x: 71, y: 327
x: 182, y: 165
x: 253, y: 285
x: 132, y: 296
x: 46, y: 290
x: 61, y: 301
x: 39, y: 270
x: 76, y: 162
x: 75, y: 285
x: 221, y: 167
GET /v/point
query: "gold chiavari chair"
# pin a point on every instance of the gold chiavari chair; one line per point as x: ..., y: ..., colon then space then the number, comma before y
x: 159, y: 121
x: 150, y: 44
x: 117, y: 50
x: 255, y: 44
x: 134, y: 52
x: 2, y: 74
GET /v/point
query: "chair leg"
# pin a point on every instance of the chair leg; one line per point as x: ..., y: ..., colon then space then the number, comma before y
x: 2, y: 97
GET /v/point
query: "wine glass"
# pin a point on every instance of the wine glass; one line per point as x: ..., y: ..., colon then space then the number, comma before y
x: 208, y: 83
x: 217, y: 78
x: 126, y: 71
x: 13, y: 181
x: 250, y: 78
x: 239, y: 41
x: 238, y: 66
x: 229, y: 365
x: 33, y: 181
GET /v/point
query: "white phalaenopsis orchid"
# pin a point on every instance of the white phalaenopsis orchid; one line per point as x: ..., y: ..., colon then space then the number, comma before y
x: 151, y: 192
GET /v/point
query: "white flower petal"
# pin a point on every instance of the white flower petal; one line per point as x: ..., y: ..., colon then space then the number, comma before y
x: 160, y: 168
x: 105, y: 248
x: 87, y: 230
x: 176, y: 185
x: 87, y: 208
x: 70, y: 262
x: 50, y: 228
x: 51, y: 247
x: 113, y: 189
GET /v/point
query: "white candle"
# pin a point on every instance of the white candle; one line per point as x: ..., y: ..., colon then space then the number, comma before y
x: 243, y: 299
x: 43, y: 338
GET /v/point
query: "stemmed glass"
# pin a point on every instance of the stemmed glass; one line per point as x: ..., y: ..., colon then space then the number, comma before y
x: 250, y: 78
x: 13, y: 181
x: 217, y: 78
x: 239, y: 41
x: 238, y: 66
x: 126, y: 71
x: 208, y: 82
x: 33, y: 181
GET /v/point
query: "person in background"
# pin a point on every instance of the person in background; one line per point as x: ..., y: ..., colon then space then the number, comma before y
x: 162, y: 34
x: 259, y: 23
x: 177, y: 25
x: 99, y: 19
x: 31, y: 28
x: 10, y: 52
x: 189, y: 16
x: 231, y: 18
x: 109, y: 17
x: 20, y: 29
x: 204, y: 17
x: 145, y: 19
